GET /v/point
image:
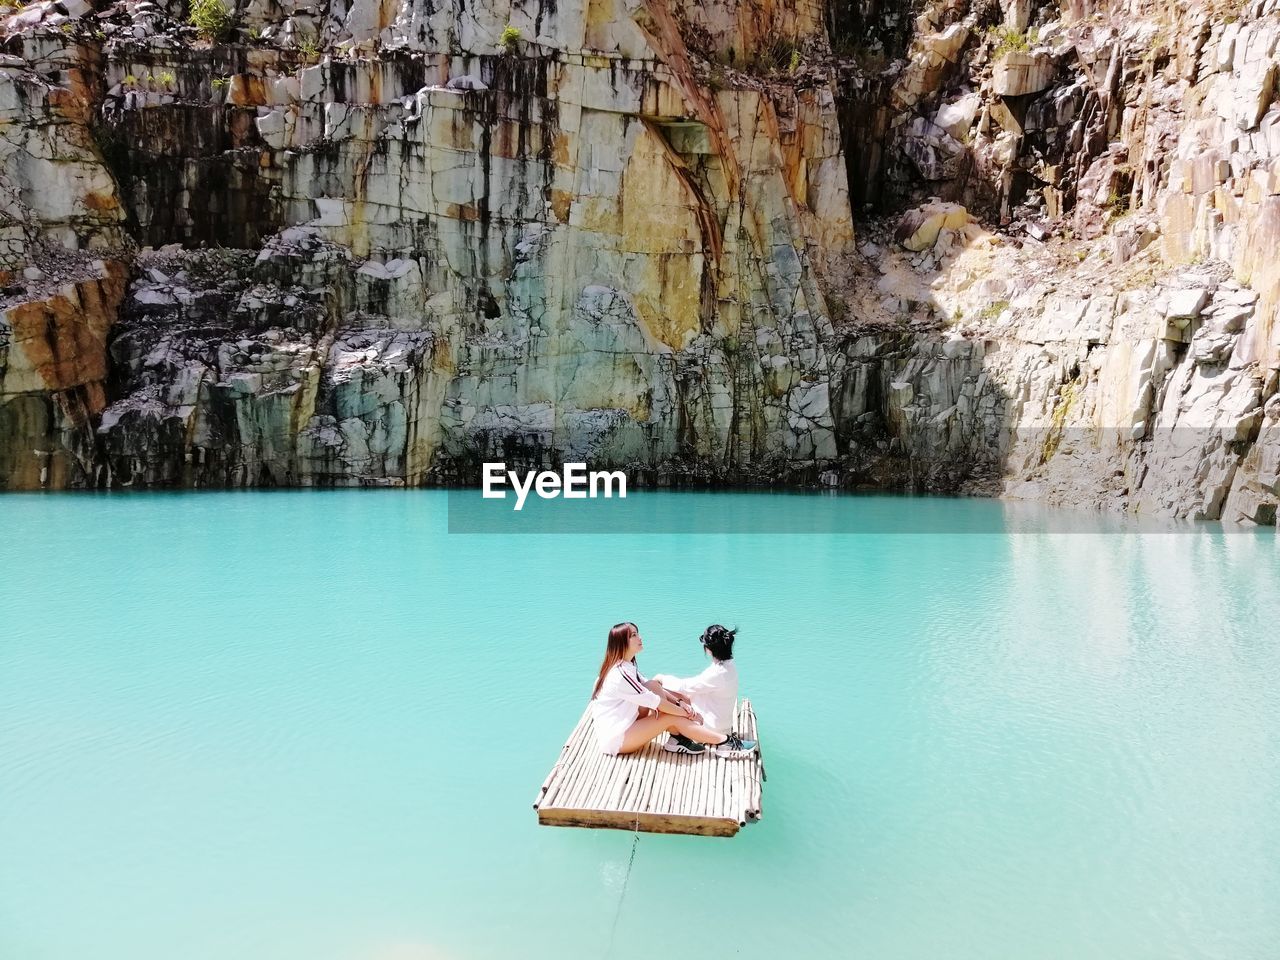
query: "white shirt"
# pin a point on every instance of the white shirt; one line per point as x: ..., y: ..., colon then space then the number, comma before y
x: 714, y: 693
x: 615, y: 707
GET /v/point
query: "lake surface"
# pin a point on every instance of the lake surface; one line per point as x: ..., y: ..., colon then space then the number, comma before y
x: 310, y: 726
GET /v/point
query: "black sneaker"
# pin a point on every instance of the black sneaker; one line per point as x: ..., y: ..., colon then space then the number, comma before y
x: 679, y: 743
x: 734, y: 747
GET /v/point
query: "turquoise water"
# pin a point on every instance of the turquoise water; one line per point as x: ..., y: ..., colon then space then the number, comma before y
x: 310, y: 725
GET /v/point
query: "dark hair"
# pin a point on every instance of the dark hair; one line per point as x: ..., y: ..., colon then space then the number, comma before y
x: 615, y: 650
x: 719, y: 641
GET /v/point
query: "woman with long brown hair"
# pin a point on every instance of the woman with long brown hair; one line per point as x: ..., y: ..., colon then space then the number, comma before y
x: 629, y: 711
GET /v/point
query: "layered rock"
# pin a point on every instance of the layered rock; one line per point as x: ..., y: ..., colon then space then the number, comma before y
x: 1145, y: 398
x: 379, y: 242
x: 53, y: 376
x: 561, y: 243
x: 1113, y: 331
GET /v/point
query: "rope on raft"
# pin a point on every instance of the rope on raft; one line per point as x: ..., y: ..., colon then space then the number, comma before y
x: 617, y: 914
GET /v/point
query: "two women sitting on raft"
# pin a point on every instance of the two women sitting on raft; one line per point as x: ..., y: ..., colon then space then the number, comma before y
x: 697, y: 712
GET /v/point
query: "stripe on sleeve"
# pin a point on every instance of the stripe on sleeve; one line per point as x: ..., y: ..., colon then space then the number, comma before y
x: 634, y: 685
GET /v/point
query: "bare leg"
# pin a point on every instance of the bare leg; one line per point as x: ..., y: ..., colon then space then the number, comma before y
x: 696, y: 731
x: 647, y: 728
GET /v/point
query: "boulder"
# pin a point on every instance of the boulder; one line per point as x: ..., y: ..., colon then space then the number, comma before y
x: 918, y: 229
x: 1187, y: 303
x: 957, y: 116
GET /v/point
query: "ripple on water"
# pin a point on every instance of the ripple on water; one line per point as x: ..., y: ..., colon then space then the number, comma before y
x: 275, y: 726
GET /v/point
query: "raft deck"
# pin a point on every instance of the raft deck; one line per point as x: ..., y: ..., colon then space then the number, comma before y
x: 652, y: 790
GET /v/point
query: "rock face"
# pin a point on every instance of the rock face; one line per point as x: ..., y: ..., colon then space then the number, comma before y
x: 378, y: 243
x: 1113, y: 341
x: 53, y: 376
x: 1019, y: 74
x: 442, y: 246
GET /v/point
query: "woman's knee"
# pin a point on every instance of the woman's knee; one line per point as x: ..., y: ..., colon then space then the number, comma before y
x: 664, y: 722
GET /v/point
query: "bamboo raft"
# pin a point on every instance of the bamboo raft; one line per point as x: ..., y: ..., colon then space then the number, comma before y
x: 652, y: 790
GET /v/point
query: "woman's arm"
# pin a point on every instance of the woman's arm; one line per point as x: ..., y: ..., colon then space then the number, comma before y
x: 668, y: 695
x: 674, y: 696
x: 676, y: 709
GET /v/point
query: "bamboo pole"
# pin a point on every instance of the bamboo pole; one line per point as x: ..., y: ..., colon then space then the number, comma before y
x: 593, y: 762
x: 609, y: 789
x: 571, y: 765
x: 598, y: 789
x: 706, y: 766
x: 644, y: 801
x: 669, y: 800
x: 627, y: 768
x: 757, y: 770
x: 636, y: 780
x: 697, y: 766
x: 560, y: 762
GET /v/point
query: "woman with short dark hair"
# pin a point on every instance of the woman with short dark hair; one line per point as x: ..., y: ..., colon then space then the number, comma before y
x: 714, y: 692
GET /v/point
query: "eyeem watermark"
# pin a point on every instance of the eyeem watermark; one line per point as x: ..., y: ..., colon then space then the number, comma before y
x: 574, y: 483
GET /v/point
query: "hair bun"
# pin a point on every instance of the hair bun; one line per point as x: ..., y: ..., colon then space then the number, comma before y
x: 718, y: 640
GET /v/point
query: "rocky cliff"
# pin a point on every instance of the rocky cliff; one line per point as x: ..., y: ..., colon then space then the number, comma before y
x: 378, y: 242
x: 1093, y: 227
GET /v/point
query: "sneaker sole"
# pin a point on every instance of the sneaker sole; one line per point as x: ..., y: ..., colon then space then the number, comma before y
x: 682, y: 749
x: 735, y: 754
